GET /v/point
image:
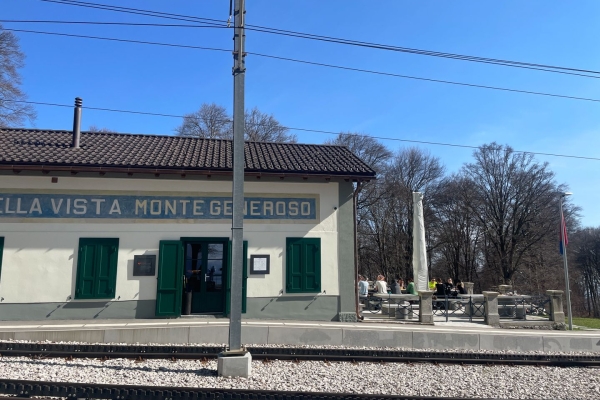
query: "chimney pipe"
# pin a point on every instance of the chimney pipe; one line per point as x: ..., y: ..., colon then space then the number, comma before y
x: 77, y: 123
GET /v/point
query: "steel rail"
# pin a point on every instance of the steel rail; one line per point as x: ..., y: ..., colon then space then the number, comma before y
x: 54, y: 350
x: 26, y: 389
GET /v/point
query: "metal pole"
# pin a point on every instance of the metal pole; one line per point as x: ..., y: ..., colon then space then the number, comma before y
x: 564, y: 248
x: 237, y: 227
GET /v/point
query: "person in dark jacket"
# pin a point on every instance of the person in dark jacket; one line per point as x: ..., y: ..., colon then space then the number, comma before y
x: 460, y: 288
x: 440, y: 290
x: 396, y: 287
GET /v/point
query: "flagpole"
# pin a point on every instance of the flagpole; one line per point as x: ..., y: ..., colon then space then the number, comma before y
x: 563, y: 230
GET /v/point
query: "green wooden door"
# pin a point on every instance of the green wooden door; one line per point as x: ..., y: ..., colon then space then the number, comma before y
x: 97, y: 268
x: 303, y: 265
x: 169, y: 288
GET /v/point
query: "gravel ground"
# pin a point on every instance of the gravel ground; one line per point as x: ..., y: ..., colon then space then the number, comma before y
x: 519, y: 382
x: 272, y: 346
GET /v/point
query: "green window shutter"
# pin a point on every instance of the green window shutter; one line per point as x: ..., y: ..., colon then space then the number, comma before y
x: 311, y: 252
x: 228, y: 280
x: 1, y: 252
x: 169, y: 286
x: 303, y: 265
x: 97, y: 268
x: 245, y: 277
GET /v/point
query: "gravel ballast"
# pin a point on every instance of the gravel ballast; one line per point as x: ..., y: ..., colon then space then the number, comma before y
x: 418, y: 379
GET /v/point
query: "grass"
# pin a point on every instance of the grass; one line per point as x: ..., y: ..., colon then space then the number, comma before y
x: 587, y: 322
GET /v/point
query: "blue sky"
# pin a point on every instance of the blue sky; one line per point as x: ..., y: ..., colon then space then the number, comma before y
x: 177, y: 81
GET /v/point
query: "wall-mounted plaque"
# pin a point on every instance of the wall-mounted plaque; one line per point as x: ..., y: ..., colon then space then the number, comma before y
x: 260, y: 264
x: 144, y: 265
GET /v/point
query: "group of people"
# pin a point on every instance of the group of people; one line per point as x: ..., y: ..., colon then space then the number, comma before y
x: 381, y: 286
x: 446, y: 288
x: 396, y: 286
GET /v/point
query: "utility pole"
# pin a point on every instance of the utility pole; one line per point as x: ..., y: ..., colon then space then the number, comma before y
x: 563, y: 242
x: 237, y: 227
x: 236, y: 361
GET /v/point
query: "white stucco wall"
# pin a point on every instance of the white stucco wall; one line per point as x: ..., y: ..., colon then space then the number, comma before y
x: 40, y: 258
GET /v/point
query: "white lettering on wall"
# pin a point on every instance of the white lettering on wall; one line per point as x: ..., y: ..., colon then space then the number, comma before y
x: 155, y: 210
x: 35, y: 206
x: 56, y: 207
x: 170, y: 207
x: 254, y: 209
x: 280, y: 208
x: 139, y: 204
x: 184, y: 204
x: 98, y: 202
x: 215, y: 207
x: 305, y: 208
x: 80, y: 206
x: 197, y: 205
x: 7, y: 207
x: 115, y: 208
x: 227, y: 207
x: 19, y: 211
x: 293, y: 208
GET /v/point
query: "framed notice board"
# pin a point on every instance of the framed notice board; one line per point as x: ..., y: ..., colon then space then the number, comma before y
x: 144, y: 265
x: 260, y: 264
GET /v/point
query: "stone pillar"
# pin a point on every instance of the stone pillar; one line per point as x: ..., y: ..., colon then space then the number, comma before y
x: 491, y: 308
x: 557, y: 313
x: 503, y: 289
x: 426, y: 307
x: 468, y: 287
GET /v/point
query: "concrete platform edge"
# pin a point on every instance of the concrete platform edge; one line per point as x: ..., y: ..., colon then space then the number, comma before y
x: 344, y: 335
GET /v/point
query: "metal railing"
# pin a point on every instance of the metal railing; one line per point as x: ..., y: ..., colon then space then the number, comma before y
x: 462, y: 307
x: 399, y: 309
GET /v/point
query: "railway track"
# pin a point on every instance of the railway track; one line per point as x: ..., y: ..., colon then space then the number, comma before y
x: 49, y: 350
x: 27, y: 389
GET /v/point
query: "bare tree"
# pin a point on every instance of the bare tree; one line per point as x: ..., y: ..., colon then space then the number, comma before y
x: 213, y: 122
x: 587, y: 261
x: 95, y: 129
x: 261, y: 127
x: 210, y: 121
x: 12, y: 112
x: 515, y: 200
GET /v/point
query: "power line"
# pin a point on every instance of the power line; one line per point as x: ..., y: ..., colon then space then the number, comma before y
x: 119, y: 40
x: 390, y: 74
x: 311, y: 130
x: 258, y: 28
x: 29, y: 21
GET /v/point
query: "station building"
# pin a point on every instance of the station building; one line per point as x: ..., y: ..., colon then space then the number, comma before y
x: 139, y: 226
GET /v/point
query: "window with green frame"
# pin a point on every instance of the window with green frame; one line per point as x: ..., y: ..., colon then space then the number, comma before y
x: 303, y: 265
x: 97, y: 268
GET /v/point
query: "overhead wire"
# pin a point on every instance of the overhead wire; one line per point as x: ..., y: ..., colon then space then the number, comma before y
x: 291, y: 128
x: 340, y: 67
x: 264, y: 29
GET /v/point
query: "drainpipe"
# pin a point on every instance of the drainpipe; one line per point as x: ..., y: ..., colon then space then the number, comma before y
x: 354, y: 201
x: 76, y: 123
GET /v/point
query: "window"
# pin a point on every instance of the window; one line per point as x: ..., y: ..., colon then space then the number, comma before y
x: 97, y: 268
x: 303, y: 265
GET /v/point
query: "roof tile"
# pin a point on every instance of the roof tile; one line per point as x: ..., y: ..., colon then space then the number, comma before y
x: 51, y: 147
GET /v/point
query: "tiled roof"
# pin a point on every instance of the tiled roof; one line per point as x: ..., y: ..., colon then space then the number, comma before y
x: 48, y: 148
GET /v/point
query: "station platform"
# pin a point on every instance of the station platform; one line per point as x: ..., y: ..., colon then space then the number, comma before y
x: 256, y: 332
